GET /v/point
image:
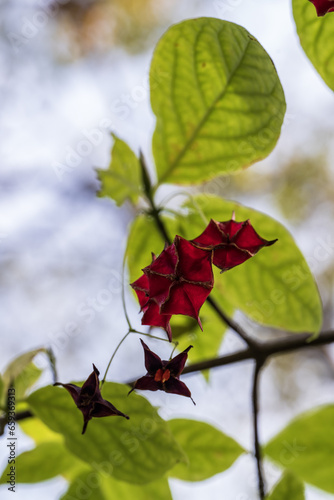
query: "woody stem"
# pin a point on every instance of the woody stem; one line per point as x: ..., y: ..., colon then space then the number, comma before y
x: 230, y: 322
x: 255, y: 404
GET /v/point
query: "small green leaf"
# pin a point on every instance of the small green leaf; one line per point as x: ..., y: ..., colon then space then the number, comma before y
x: 219, y: 102
x: 209, y: 450
x: 45, y: 461
x: 316, y: 36
x: 306, y: 447
x: 289, y: 487
x: 122, y: 179
x: 95, y: 485
x: 275, y: 287
x: 138, y: 450
x: 22, y: 373
x: 26, y: 379
x: 143, y: 239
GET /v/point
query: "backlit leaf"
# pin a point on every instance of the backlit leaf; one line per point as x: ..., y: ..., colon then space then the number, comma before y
x: 316, y: 36
x: 306, y: 447
x: 209, y: 451
x: 219, y: 103
x: 289, y: 487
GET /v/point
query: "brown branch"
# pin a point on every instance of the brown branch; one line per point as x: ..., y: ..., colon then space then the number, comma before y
x: 257, y: 450
x: 263, y: 350
x: 230, y: 322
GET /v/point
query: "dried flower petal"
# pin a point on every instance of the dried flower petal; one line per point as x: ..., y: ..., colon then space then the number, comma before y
x: 89, y: 400
x: 163, y: 375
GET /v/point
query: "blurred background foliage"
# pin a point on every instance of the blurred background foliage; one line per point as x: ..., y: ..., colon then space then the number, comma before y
x: 85, y: 27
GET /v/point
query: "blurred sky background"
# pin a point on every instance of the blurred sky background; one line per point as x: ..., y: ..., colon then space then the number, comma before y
x: 71, y: 72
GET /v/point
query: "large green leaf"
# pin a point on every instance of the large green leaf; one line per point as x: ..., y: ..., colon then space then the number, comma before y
x: 121, y: 181
x: 209, y: 450
x: 138, y: 450
x: 45, y: 461
x: 306, y: 446
x: 289, y: 487
x: 97, y: 486
x: 38, y: 431
x: 275, y: 287
x: 219, y: 103
x: 316, y: 36
x: 144, y: 239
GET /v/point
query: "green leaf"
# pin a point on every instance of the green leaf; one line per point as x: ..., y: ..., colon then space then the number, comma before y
x: 219, y: 102
x: 45, y: 461
x: 122, y: 179
x: 209, y: 450
x: 316, y: 36
x: 144, y: 239
x: 26, y: 379
x: 138, y: 450
x: 94, y: 485
x: 289, y: 487
x: 306, y: 447
x: 275, y: 287
x: 22, y: 373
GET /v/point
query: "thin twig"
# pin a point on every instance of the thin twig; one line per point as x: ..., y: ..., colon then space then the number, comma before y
x: 230, y: 322
x: 123, y: 293
x: 255, y: 404
x: 227, y: 359
x: 113, y: 355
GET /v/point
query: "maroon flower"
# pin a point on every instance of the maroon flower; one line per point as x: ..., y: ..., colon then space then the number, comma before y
x: 89, y: 400
x: 232, y: 242
x: 163, y: 375
x: 177, y: 282
x: 323, y: 6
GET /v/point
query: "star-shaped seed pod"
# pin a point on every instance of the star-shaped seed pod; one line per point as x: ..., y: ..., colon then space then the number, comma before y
x: 232, y: 242
x: 323, y: 6
x: 178, y: 281
x: 149, y: 307
x: 163, y: 375
x: 89, y: 400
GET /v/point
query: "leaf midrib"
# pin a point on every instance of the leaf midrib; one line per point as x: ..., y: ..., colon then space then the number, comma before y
x: 204, y: 118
